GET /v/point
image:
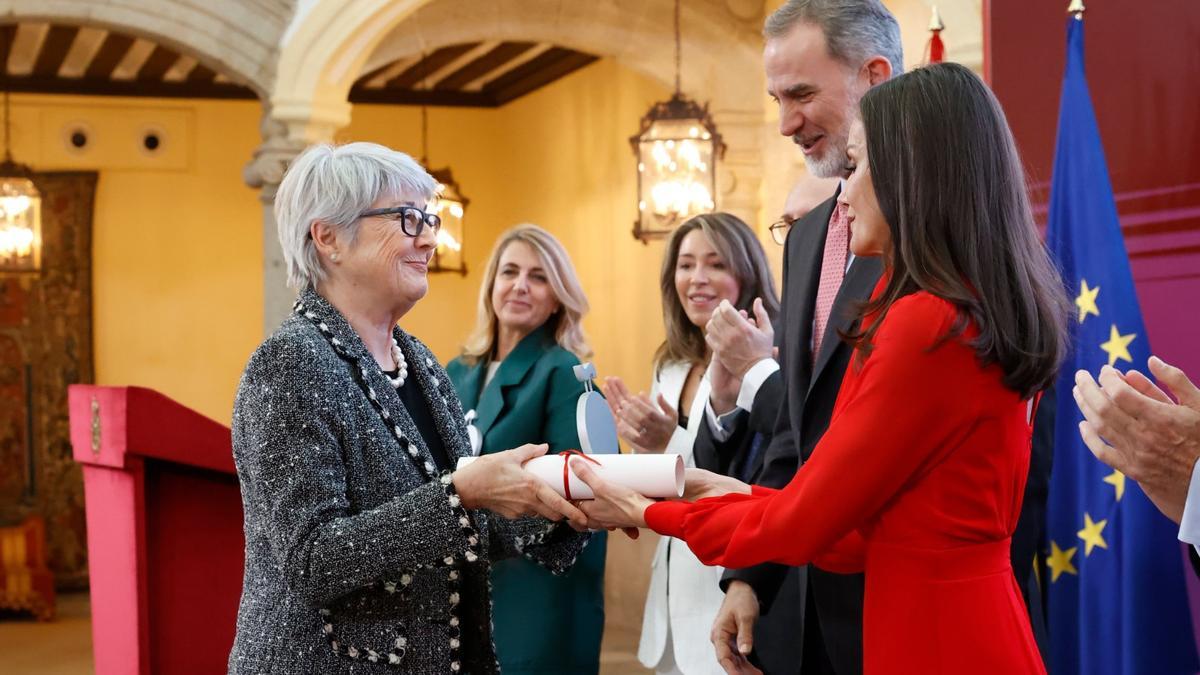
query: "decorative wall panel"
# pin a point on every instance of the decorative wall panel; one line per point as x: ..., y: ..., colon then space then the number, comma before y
x: 46, y: 345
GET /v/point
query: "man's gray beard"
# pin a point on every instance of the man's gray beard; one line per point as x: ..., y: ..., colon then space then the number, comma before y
x: 830, y: 165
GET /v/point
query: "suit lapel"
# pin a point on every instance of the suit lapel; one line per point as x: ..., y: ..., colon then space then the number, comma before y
x: 472, y: 385
x: 511, y: 372
x: 491, y: 404
x: 856, y: 287
x: 670, y: 383
x: 671, y: 379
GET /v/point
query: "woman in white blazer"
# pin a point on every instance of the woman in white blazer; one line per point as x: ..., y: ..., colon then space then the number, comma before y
x: 711, y: 258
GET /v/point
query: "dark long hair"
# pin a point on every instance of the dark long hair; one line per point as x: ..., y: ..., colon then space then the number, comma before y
x: 951, y: 187
x: 743, y: 253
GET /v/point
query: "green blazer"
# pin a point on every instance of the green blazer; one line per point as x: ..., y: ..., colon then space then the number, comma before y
x: 543, y: 624
x: 531, y: 399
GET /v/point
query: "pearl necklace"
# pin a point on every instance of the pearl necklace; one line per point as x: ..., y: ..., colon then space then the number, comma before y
x: 401, y: 365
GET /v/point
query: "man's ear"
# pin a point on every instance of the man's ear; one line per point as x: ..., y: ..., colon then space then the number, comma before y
x: 878, y: 70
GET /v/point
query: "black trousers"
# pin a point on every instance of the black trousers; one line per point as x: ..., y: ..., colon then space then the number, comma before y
x: 815, y: 658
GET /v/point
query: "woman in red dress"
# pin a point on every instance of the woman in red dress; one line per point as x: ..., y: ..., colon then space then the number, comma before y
x: 918, y: 481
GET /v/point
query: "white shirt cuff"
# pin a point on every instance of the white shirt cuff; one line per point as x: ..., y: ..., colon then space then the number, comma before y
x: 753, y: 381
x: 721, y: 426
x: 1189, y: 525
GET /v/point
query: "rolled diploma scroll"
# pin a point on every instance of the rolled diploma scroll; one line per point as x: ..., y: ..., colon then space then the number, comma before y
x: 655, y: 476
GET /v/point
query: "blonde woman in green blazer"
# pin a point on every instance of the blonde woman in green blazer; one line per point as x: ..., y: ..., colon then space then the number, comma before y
x: 516, y: 381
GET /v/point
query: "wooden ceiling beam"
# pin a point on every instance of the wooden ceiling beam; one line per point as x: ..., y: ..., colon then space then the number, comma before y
x: 414, y: 74
x: 157, y: 64
x: 8, y: 34
x: 555, y: 63
x: 152, y: 89
x: 201, y: 74
x: 436, y: 97
x: 536, y: 70
x: 489, y: 62
x: 54, y: 50
x: 108, y: 57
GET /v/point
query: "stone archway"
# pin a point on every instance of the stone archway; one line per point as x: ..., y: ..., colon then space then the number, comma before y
x: 237, y: 38
x: 720, y: 53
x: 321, y: 54
x: 721, y: 61
x: 331, y: 43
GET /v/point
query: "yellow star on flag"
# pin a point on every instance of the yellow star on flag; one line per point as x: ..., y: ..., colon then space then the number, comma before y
x: 1117, y: 480
x: 1059, y: 561
x: 1091, y: 534
x: 1086, y: 300
x: 1118, y: 346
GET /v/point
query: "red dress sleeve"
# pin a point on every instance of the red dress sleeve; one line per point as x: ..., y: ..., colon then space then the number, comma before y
x: 847, y: 556
x: 910, y: 402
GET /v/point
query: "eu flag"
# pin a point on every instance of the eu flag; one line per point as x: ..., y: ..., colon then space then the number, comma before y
x: 1114, y: 568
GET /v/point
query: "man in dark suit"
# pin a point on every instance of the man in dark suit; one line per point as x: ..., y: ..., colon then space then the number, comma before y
x: 820, y: 57
x: 789, y: 414
x: 816, y: 73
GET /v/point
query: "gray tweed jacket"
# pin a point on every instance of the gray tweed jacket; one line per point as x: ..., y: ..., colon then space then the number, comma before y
x: 358, y: 558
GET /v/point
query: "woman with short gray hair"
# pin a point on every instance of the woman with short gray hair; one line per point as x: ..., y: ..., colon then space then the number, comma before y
x: 365, y: 550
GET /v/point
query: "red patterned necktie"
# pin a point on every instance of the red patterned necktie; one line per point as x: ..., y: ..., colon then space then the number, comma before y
x: 833, y: 269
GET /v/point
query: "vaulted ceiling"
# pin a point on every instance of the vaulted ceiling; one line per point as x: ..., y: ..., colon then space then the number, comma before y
x: 56, y: 58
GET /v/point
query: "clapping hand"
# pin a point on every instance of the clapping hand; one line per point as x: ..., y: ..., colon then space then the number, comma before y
x: 645, y: 424
x: 1136, y: 428
x: 737, y: 340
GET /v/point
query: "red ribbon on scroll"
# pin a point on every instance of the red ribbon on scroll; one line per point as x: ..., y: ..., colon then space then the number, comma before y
x: 566, y: 455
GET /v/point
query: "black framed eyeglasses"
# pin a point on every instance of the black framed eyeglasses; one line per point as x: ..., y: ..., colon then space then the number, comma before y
x: 411, y: 219
x: 779, y: 230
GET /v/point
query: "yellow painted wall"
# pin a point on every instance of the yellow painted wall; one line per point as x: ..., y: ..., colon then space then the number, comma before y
x: 177, y: 243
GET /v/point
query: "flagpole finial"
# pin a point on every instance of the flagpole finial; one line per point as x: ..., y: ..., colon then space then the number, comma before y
x: 935, y: 20
x: 1076, y: 8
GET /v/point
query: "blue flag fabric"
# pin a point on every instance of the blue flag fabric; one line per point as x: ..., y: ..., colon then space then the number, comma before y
x: 1113, y: 567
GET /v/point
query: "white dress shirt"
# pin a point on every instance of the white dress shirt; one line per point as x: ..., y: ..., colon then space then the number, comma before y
x: 1189, y: 525
x: 724, y: 425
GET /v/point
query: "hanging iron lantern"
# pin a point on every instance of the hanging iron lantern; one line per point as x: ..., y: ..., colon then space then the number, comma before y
x: 677, y: 149
x: 20, y: 210
x: 450, y: 205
